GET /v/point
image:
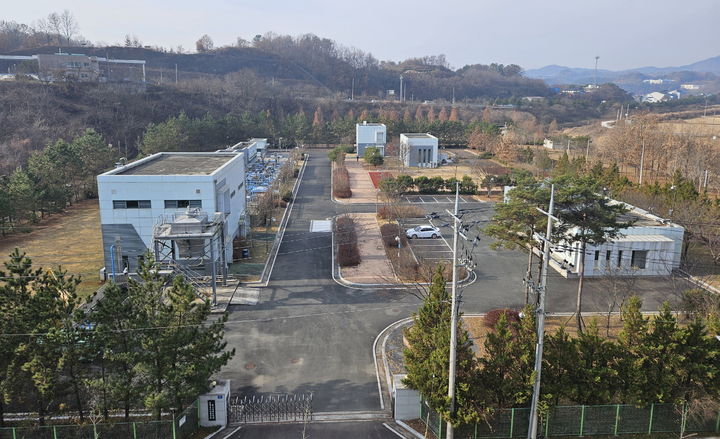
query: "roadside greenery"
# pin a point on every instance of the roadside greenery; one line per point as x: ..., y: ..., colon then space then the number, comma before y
x: 652, y: 360
x: 372, y: 156
x: 403, y: 184
x: 144, y: 345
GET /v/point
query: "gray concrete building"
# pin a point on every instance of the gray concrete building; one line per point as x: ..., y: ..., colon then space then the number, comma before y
x: 419, y: 150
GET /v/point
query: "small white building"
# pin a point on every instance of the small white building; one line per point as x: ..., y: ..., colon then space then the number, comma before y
x: 419, y: 150
x: 166, y: 189
x: 370, y: 134
x: 690, y: 86
x: 549, y: 144
x: 253, y: 149
x: 651, y: 247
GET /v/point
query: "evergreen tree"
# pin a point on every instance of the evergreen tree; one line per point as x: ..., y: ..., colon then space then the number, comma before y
x: 427, y: 357
x: 585, y: 217
x: 631, y: 341
x: 595, y: 379
x: 560, y: 363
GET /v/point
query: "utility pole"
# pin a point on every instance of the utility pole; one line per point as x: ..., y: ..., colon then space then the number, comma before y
x: 642, y: 161
x: 401, y: 89
x: 453, y: 314
x: 352, y: 90
x: 595, y: 78
x: 532, y: 429
x: 176, y: 74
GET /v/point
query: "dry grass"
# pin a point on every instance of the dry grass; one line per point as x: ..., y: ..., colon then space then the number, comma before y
x: 478, y: 329
x: 71, y: 239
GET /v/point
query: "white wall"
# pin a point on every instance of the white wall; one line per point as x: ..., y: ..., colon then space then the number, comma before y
x: 369, y: 134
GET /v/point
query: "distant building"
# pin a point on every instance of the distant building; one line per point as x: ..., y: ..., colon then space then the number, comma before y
x: 654, y: 97
x: 419, y: 150
x: 658, y: 81
x: 83, y: 68
x: 690, y: 86
x: 534, y: 98
x: 370, y: 134
x: 549, y: 144
x: 187, y: 208
x: 651, y: 247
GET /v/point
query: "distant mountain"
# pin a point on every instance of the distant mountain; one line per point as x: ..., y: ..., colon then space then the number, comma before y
x: 555, y: 74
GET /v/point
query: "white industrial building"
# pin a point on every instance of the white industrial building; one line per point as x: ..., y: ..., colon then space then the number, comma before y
x: 419, y: 150
x: 370, y: 134
x: 651, y: 247
x: 253, y: 149
x: 187, y: 208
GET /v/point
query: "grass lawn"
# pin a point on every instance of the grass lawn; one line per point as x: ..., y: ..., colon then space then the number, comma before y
x: 71, y: 239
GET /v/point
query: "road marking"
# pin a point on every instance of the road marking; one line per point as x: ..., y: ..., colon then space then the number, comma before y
x: 392, y: 429
x: 436, y: 200
x: 449, y: 199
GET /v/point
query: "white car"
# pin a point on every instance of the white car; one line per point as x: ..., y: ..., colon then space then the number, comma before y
x: 423, y: 232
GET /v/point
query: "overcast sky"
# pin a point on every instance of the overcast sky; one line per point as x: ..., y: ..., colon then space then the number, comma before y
x: 532, y: 33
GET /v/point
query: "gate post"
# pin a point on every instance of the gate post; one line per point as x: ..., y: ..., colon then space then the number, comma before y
x: 652, y: 411
x: 213, y: 406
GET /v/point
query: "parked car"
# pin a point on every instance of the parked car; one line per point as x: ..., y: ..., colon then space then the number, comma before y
x: 427, y: 231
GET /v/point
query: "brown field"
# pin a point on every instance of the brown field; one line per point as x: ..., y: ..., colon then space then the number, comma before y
x: 71, y: 239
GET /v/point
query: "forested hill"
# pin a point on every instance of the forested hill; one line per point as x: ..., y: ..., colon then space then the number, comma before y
x: 330, y: 68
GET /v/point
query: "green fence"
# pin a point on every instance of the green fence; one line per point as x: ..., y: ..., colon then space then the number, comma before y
x: 130, y: 430
x: 588, y: 420
x: 182, y: 427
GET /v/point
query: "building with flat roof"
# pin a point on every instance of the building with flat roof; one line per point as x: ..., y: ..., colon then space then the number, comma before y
x: 652, y: 246
x: 419, y: 150
x: 63, y: 66
x: 252, y: 148
x: 370, y: 134
x: 185, y: 207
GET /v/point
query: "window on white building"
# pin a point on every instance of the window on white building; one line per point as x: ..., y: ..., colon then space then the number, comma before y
x: 131, y: 204
x: 608, y: 255
x: 638, y: 259
x: 619, y: 259
x: 181, y: 204
x: 597, y: 260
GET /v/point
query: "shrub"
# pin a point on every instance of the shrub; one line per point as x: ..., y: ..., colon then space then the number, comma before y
x: 389, y: 232
x: 348, y: 253
x: 404, y: 182
x: 373, y: 157
x: 287, y: 196
x: 468, y: 186
x: 492, y: 317
x: 341, y: 183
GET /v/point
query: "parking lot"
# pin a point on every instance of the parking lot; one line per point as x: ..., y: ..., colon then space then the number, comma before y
x: 438, y: 199
x: 474, y: 214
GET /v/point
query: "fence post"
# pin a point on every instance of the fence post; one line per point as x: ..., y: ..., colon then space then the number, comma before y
x: 512, y: 422
x: 134, y: 431
x: 15, y: 436
x: 95, y: 435
x: 684, y: 419
x: 582, y: 419
x: 54, y: 432
x: 475, y: 433
x: 717, y: 423
x: 173, y: 428
x: 617, y: 417
x: 652, y: 411
x: 547, y: 423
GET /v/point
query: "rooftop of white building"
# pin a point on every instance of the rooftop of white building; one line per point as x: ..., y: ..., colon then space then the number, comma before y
x: 176, y: 163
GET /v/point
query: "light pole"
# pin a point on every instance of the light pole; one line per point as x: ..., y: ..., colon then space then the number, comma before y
x: 595, y: 77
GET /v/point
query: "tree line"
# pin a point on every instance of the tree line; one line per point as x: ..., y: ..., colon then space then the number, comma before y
x: 651, y: 360
x: 58, y: 175
x: 145, y: 345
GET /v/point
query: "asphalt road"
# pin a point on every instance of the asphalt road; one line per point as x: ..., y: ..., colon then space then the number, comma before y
x: 318, y: 430
x: 309, y: 334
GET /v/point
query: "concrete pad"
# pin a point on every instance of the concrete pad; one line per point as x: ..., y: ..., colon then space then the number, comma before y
x: 374, y: 267
x: 363, y: 190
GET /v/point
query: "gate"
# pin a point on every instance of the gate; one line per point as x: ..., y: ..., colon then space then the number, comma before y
x: 262, y: 408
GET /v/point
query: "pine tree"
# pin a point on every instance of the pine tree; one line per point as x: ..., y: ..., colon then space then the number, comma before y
x: 560, y: 365
x: 419, y: 114
x: 317, y: 118
x: 631, y: 341
x: 427, y: 357
x: 364, y: 115
x: 431, y: 115
x: 662, y: 356
x: 407, y: 118
x: 595, y: 379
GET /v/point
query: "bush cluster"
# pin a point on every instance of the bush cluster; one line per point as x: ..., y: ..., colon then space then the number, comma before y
x: 340, y: 151
x: 348, y: 253
x: 427, y: 185
x: 392, y: 212
x: 341, y: 183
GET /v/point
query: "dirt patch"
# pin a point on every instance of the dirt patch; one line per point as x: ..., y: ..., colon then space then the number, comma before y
x: 376, y: 176
x: 374, y: 267
x: 71, y: 239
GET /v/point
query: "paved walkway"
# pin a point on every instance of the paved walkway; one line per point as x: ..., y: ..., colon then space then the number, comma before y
x: 363, y: 190
x: 374, y: 266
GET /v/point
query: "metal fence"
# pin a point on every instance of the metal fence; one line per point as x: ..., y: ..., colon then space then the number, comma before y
x: 182, y: 426
x: 130, y: 430
x: 262, y: 408
x: 583, y: 420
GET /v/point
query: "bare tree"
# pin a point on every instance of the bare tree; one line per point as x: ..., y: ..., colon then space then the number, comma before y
x: 67, y: 26
x: 204, y: 44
